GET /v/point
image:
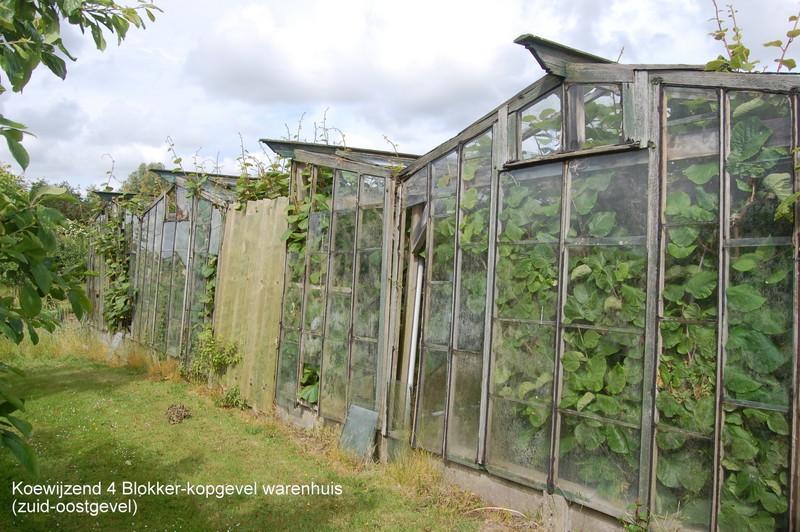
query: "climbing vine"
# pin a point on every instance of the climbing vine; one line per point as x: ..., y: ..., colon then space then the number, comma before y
x: 111, y: 244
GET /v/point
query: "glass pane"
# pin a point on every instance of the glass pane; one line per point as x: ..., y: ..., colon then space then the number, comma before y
x: 687, y: 377
x: 443, y: 247
x: 370, y: 232
x: 318, y: 223
x: 602, y: 111
x: 314, y: 310
x: 540, y: 126
x: 165, y: 279
x: 603, y: 374
x: 444, y: 172
x: 217, y: 223
x: 523, y: 362
x: 606, y: 286
x: 440, y: 308
x: 683, y: 481
x: 296, y: 267
x: 287, y: 369
x: 333, y: 398
x: 759, y: 347
x: 756, y: 482
x: 317, y: 269
x: 530, y: 208
x: 312, y: 350
x: 292, y: 305
x: 527, y: 281
x: 372, y: 189
x: 180, y: 258
x: 691, y: 273
x: 692, y: 145
x: 609, y: 196
x: 430, y: 415
x: 338, y: 322
x: 465, y: 406
x: 519, y: 438
x: 415, y: 190
x: 599, y: 461
x: 471, y: 303
x: 323, y: 189
x: 368, y: 294
x: 521, y: 398
x: 476, y: 168
x: 346, y: 190
x: 363, y: 364
x: 476, y: 161
x: 759, y: 163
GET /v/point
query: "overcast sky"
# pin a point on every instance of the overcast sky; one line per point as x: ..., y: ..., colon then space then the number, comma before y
x: 415, y: 71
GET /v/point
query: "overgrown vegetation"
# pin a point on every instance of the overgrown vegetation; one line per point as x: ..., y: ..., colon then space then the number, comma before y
x: 211, y: 357
x: 231, y: 398
x: 111, y: 244
x: 31, y: 279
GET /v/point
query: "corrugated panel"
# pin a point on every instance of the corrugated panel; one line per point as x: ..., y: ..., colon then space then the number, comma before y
x: 248, y: 296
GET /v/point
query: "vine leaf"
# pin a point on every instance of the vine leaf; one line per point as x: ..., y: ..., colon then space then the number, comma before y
x: 702, y: 284
x: 744, y: 298
x: 700, y: 174
x: 748, y: 136
x: 602, y: 223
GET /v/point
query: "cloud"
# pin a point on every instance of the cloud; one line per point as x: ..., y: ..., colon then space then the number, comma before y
x: 418, y: 72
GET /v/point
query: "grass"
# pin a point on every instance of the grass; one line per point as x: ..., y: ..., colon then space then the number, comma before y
x: 94, y: 422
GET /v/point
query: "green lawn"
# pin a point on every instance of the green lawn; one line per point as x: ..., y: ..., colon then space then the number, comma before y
x: 94, y: 423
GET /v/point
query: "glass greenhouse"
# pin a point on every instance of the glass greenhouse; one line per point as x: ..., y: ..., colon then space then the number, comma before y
x: 591, y: 291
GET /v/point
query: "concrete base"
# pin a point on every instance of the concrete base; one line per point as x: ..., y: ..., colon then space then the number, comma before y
x: 554, y: 511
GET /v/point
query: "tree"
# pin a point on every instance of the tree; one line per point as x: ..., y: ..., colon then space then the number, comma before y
x: 30, y: 35
x: 145, y: 183
x: 30, y: 272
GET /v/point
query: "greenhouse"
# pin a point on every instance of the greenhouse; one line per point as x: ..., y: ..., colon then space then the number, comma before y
x: 588, y: 293
x: 621, y: 223
x: 174, y: 246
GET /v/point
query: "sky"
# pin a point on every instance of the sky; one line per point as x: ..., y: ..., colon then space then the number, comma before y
x: 210, y: 76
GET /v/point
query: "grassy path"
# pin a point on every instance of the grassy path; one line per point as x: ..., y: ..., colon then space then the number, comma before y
x: 94, y: 423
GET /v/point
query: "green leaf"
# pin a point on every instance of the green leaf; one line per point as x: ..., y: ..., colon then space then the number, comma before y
x: 79, y: 302
x: 773, y: 503
x: 56, y: 65
x: 616, y: 439
x: 584, y: 401
x: 779, y: 184
x: 46, y: 191
x: 615, y: 379
x: 678, y: 203
x: 602, y: 223
x: 589, y: 437
x: 776, y: 43
x: 581, y: 271
x: 680, y: 252
x: 18, y: 151
x: 21, y: 425
x: 702, y: 284
x: 21, y: 450
x: 748, y: 136
x: 761, y: 354
x: 684, y: 236
x: 744, y: 298
x: 30, y: 301
x: 788, y: 62
x: 745, y: 262
x: 700, y: 174
x: 777, y: 423
x: 738, y: 382
x: 42, y: 276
